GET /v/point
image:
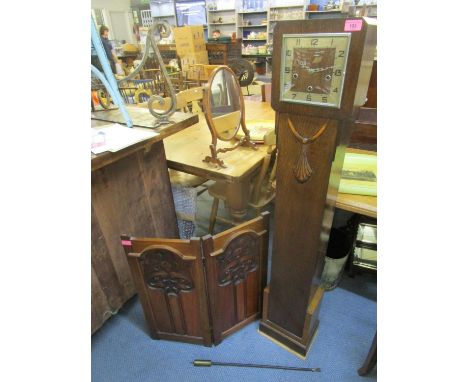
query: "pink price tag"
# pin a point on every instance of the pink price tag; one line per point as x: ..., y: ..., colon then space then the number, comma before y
x: 126, y: 243
x: 353, y: 25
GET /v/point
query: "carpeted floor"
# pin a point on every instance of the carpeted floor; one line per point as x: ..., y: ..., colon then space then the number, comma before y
x: 123, y: 351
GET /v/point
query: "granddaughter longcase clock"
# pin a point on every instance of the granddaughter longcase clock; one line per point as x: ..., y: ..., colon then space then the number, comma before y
x: 321, y: 72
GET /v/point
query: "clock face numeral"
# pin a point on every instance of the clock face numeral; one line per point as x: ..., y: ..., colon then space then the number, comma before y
x: 314, y: 68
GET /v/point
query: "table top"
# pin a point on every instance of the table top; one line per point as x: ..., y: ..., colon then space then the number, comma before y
x: 186, y: 150
x: 180, y: 122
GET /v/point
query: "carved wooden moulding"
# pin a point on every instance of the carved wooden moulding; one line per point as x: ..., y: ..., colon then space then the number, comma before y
x: 187, y: 299
x: 163, y: 270
x: 239, y: 259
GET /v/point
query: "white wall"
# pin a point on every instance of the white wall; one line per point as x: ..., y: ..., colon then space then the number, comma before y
x: 113, y: 5
x: 116, y: 6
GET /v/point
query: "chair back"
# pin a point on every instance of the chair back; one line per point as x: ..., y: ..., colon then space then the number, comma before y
x: 193, y: 98
x: 263, y: 191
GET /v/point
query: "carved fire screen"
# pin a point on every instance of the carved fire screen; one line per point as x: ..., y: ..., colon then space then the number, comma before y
x: 203, y: 289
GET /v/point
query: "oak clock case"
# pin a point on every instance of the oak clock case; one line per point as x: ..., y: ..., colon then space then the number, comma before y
x: 313, y: 133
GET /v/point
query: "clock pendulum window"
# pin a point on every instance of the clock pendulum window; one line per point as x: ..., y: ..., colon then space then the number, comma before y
x: 320, y: 80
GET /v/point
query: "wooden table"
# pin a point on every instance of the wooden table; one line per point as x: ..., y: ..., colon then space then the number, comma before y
x: 187, y: 149
x: 131, y: 194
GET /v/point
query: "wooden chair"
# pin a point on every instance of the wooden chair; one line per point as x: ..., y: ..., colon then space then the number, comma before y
x: 193, y: 98
x: 188, y: 100
x: 203, y: 289
x: 262, y: 189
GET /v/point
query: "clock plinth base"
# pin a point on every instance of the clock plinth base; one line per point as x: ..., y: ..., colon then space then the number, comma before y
x: 299, y: 346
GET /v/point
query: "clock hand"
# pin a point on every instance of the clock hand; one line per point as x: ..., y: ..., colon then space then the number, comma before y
x: 310, y: 70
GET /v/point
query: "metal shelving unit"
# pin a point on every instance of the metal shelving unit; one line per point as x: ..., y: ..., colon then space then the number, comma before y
x: 164, y: 10
x: 227, y: 13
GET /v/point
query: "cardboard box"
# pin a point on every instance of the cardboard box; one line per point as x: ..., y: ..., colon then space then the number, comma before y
x: 190, y: 48
x: 189, y: 60
x: 196, y: 72
x: 189, y: 39
x: 208, y: 69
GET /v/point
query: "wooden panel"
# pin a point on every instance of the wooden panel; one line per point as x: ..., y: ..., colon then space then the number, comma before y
x: 372, y: 91
x: 104, y: 269
x: 127, y: 196
x: 170, y: 281
x: 100, y: 306
x: 290, y: 241
x: 252, y: 292
x: 364, y: 135
x: 193, y: 322
x: 236, y: 260
x: 159, y: 306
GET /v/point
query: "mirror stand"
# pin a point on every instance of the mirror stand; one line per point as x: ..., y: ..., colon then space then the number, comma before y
x: 244, y: 141
x: 225, y: 113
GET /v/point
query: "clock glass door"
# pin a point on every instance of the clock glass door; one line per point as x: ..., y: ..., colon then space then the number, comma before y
x: 313, y: 68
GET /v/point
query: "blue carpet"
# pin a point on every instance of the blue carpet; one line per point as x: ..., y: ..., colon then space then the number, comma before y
x: 123, y: 351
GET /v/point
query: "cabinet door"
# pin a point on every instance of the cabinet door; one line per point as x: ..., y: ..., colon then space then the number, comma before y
x: 169, y: 278
x: 236, y: 269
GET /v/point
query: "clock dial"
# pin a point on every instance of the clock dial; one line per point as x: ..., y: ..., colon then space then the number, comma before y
x: 313, y: 68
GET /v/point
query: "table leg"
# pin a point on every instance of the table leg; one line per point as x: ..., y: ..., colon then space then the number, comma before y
x: 238, y: 199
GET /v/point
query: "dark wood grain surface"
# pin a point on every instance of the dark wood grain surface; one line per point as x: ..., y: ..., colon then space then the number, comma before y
x: 201, y: 290
x: 170, y: 281
x: 303, y: 218
x: 304, y: 209
x: 130, y: 192
x: 236, y: 269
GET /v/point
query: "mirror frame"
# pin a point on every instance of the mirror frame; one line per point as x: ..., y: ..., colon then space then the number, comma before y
x: 244, y: 141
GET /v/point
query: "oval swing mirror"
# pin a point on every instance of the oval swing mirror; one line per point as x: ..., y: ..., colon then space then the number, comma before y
x: 224, y: 111
x: 224, y: 104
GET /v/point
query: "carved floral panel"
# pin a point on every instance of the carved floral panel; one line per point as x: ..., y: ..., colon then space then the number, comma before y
x: 164, y: 270
x: 240, y: 258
